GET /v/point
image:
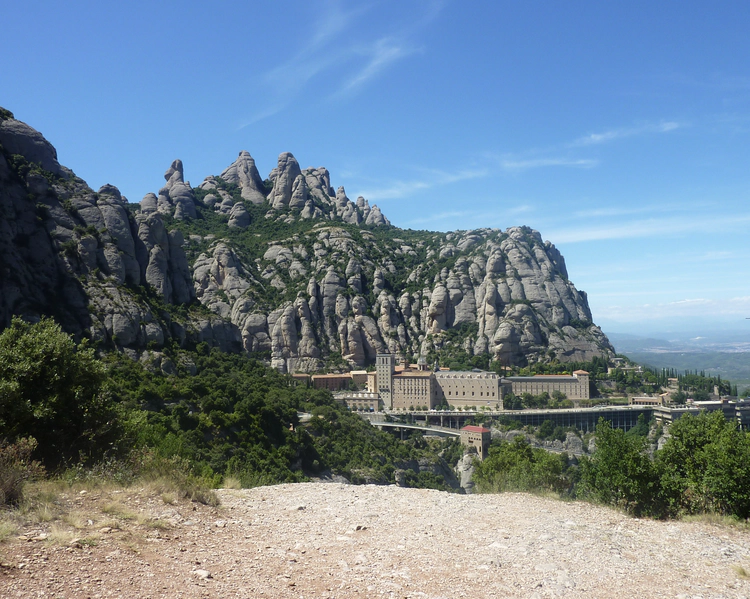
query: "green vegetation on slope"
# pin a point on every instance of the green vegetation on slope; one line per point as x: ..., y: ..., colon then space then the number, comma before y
x: 733, y: 366
x: 236, y: 417
x: 52, y: 389
x: 216, y: 415
x: 704, y: 467
x: 516, y: 466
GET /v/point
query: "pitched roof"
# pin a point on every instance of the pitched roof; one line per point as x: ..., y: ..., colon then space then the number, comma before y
x: 475, y: 429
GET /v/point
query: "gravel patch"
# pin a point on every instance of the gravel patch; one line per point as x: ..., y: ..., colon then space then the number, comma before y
x: 333, y: 540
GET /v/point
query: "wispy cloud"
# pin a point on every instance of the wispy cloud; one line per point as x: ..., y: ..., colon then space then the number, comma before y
x: 520, y: 209
x: 468, y: 219
x: 353, y: 63
x: 382, y: 54
x: 522, y: 165
x: 726, y: 308
x: 333, y: 20
x: 663, y: 227
x: 522, y: 162
x: 715, y: 255
x: 614, y: 134
x: 514, y: 163
x: 441, y: 216
x: 624, y: 211
x: 401, y: 189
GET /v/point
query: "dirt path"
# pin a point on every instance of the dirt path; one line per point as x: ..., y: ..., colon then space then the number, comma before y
x: 331, y: 540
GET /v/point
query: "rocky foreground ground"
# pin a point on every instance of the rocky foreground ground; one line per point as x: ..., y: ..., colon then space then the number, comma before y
x: 333, y: 540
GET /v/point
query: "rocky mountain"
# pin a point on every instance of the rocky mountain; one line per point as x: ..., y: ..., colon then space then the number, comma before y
x: 284, y: 265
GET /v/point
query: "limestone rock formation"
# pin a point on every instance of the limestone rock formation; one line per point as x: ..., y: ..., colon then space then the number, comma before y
x: 176, y: 197
x: 300, y: 276
x: 70, y: 252
x: 283, y: 177
x: 243, y: 173
x: 18, y: 138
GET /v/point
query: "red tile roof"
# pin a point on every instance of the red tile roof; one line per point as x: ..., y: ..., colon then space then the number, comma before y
x: 476, y: 429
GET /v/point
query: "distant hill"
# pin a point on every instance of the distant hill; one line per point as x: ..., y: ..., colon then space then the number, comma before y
x: 624, y: 343
x: 733, y: 367
x: 718, y: 353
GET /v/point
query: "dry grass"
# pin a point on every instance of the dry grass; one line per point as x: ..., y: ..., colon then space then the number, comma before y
x: 118, y: 510
x: 169, y: 498
x: 113, y: 524
x: 741, y: 572
x: 76, y: 520
x: 232, y: 482
x: 60, y: 535
x: 180, y: 488
x: 718, y: 520
x: 157, y: 524
x: 75, y: 508
x: 8, y: 528
x: 40, y: 512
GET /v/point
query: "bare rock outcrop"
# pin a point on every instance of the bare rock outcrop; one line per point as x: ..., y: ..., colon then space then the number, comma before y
x: 283, y: 177
x: 243, y: 173
x: 176, y: 197
x: 16, y: 137
x: 325, y: 284
x: 162, y: 260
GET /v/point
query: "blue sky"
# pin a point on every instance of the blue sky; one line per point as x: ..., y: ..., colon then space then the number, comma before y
x: 619, y: 130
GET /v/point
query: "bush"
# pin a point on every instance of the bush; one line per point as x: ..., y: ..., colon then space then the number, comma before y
x: 17, y: 467
x: 621, y: 473
x: 516, y: 466
x: 174, y: 475
x: 705, y: 466
x: 51, y: 388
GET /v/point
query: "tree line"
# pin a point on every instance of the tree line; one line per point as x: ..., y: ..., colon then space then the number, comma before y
x: 704, y: 467
x: 215, y: 415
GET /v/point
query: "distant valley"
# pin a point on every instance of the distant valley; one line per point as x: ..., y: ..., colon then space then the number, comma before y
x: 722, y: 353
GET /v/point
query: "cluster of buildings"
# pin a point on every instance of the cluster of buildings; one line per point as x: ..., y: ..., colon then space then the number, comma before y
x: 401, y: 386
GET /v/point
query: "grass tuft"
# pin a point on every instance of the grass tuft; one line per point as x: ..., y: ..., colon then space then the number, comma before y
x: 232, y: 482
x: 118, y: 510
x: 715, y: 519
x: 8, y: 529
x: 75, y: 519
x: 169, y: 498
x: 59, y: 535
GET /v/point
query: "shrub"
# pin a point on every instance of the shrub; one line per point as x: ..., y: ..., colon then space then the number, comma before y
x: 516, y: 466
x: 705, y: 466
x: 51, y: 388
x: 621, y: 473
x: 17, y: 467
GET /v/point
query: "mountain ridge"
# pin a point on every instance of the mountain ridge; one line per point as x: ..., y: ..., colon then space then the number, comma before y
x: 285, y: 266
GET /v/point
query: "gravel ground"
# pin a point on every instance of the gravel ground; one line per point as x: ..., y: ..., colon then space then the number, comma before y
x: 332, y: 540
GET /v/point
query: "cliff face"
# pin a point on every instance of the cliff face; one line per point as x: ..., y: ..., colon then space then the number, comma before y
x: 85, y: 258
x: 286, y: 266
